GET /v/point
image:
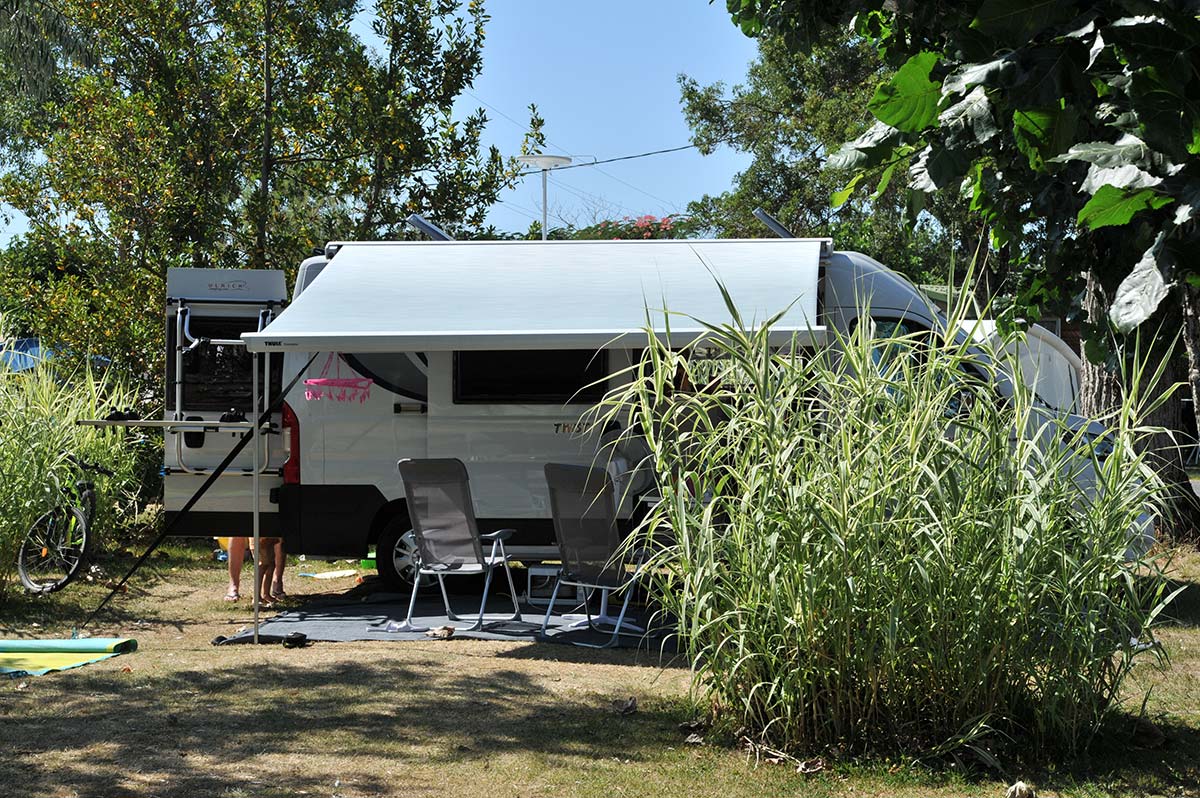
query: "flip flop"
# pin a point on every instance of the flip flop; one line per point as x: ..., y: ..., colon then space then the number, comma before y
x: 232, y: 595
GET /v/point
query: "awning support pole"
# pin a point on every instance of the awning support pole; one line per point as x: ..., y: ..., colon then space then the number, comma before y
x: 257, y: 432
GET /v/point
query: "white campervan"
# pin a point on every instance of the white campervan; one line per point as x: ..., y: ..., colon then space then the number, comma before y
x: 486, y: 351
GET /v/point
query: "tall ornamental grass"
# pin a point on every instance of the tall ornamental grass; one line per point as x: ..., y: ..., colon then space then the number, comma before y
x: 38, y: 411
x: 869, y: 548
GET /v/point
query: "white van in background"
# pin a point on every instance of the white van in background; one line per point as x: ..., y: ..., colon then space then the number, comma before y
x: 486, y: 351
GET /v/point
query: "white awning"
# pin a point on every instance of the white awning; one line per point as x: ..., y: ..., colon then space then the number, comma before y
x: 418, y: 296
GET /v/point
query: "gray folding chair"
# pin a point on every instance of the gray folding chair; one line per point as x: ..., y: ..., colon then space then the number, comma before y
x: 584, y: 506
x: 448, y: 539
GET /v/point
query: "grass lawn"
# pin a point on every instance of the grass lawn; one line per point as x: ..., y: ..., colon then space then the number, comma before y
x: 460, y: 717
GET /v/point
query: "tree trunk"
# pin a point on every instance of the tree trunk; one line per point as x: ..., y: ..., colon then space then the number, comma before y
x: 264, y: 178
x: 1099, y: 388
x: 1100, y: 393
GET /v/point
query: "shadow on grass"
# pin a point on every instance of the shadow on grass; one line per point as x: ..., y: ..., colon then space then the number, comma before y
x: 1118, y: 761
x: 1185, y: 608
x: 71, y: 606
x: 163, y: 731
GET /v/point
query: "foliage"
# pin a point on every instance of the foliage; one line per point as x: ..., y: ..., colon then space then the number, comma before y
x: 862, y: 555
x: 1072, y: 126
x: 66, y: 292
x: 39, y: 409
x: 149, y: 154
x: 792, y: 112
x: 646, y: 226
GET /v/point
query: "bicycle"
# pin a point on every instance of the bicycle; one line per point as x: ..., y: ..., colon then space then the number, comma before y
x: 58, y: 543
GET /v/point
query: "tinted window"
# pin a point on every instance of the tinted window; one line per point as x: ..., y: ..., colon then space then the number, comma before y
x: 401, y: 373
x: 554, y: 376
x: 215, y: 376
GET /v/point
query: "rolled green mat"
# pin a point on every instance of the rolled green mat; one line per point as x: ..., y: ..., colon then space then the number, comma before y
x: 84, y: 645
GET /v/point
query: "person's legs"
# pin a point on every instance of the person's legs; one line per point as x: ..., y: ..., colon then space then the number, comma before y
x: 266, y: 569
x: 237, y: 552
x: 280, y: 564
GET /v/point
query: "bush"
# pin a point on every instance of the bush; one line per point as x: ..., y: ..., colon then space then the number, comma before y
x: 38, y: 411
x: 867, y: 549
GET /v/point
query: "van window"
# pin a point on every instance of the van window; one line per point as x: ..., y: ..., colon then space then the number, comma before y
x: 217, y: 377
x: 402, y: 373
x: 542, y: 376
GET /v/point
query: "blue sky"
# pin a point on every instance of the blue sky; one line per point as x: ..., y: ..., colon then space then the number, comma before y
x: 603, y: 76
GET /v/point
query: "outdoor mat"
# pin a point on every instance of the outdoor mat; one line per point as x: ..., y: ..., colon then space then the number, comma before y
x: 39, y: 657
x: 368, y: 618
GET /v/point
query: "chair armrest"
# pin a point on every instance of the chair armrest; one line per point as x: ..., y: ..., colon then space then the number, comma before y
x: 499, y: 534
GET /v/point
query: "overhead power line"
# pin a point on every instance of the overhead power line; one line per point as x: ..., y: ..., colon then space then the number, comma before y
x: 611, y: 160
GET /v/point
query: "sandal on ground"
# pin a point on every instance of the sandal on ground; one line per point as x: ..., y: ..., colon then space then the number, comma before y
x: 232, y: 595
x: 277, y: 592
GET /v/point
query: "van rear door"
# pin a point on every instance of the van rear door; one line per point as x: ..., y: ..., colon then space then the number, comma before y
x: 209, y: 378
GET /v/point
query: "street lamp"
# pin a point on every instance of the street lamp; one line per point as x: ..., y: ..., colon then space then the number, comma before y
x: 545, y: 163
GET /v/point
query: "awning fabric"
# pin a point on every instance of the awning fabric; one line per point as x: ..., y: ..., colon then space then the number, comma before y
x: 402, y: 296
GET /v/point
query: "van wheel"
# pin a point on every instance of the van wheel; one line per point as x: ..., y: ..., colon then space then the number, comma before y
x: 396, y: 557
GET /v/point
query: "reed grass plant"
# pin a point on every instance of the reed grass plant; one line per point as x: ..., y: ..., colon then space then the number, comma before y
x: 39, y: 408
x: 887, y: 544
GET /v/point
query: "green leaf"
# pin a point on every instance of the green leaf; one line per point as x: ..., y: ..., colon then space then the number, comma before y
x: 867, y: 150
x: 992, y: 73
x: 937, y: 167
x: 909, y: 102
x: 838, y: 199
x: 884, y: 181
x: 1140, y: 294
x: 1042, y: 133
x: 1127, y: 149
x: 1017, y: 21
x: 1111, y: 206
x: 973, y: 113
x: 1127, y: 176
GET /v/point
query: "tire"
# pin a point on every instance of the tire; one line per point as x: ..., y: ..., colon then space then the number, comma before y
x: 54, y: 550
x: 396, y: 556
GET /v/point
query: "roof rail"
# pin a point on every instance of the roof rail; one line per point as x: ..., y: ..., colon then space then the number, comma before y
x: 428, y: 228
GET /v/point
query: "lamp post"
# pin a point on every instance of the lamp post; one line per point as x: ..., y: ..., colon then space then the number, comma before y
x: 545, y: 163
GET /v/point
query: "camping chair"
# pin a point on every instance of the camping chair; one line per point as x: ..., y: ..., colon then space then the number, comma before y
x: 583, y: 503
x: 448, y: 540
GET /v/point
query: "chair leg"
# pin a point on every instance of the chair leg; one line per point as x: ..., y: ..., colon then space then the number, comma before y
x: 512, y: 592
x: 616, y: 635
x: 446, y: 600
x: 407, y: 626
x: 487, y: 584
x: 550, y: 608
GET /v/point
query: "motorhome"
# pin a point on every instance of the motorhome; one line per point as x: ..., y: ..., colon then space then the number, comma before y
x: 491, y: 352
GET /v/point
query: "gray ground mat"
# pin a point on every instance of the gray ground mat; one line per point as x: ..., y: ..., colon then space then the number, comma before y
x: 366, y: 617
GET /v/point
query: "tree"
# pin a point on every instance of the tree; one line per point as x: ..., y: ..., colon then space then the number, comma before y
x: 34, y: 36
x: 1072, y: 126
x: 153, y: 149
x: 791, y: 113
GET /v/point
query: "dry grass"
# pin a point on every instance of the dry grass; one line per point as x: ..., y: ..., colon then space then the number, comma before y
x: 460, y: 717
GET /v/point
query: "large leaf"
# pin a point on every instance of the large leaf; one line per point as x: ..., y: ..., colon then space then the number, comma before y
x: 909, y: 102
x: 1111, y: 206
x: 1127, y: 176
x: 1141, y: 292
x: 1016, y: 21
x: 1128, y: 149
x: 973, y: 113
x: 838, y: 199
x: 937, y: 167
x: 1042, y: 133
x: 867, y: 150
x: 1000, y: 72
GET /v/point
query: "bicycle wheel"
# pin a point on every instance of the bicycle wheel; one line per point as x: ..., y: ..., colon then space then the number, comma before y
x: 54, y: 550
